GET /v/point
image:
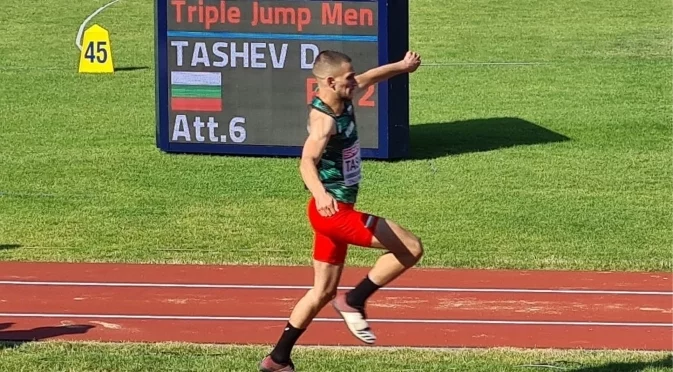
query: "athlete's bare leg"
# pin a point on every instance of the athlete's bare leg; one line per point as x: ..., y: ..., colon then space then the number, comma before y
x: 404, y: 250
x: 325, y: 283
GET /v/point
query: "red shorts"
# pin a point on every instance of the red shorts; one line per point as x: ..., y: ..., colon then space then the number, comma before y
x: 333, y: 234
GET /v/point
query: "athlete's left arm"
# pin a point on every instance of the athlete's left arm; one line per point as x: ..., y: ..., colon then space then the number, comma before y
x: 408, y: 64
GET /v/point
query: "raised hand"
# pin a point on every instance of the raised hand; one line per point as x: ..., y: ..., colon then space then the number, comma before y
x: 411, y: 61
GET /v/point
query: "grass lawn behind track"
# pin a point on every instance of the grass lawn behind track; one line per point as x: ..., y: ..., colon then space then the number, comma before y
x: 175, y: 357
x: 564, y: 164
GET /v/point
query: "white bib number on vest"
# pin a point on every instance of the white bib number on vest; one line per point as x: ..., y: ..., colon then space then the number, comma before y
x: 351, y: 164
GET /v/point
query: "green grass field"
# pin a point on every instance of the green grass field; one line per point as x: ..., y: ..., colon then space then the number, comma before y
x: 92, y: 357
x: 564, y: 163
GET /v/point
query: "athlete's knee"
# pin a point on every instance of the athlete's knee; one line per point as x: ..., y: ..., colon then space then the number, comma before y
x: 407, y: 247
x: 323, y: 296
x: 416, y: 248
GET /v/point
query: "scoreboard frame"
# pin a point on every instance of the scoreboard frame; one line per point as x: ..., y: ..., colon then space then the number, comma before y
x: 393, y: 94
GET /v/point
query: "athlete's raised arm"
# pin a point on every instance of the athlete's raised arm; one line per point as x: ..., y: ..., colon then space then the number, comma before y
x: 321, y: 127
x: 408, y: 64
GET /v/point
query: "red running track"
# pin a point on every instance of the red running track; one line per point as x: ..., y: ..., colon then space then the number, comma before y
x: 423, y: 308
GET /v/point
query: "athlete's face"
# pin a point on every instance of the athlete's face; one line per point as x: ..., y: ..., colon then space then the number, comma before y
x: 344, y: 82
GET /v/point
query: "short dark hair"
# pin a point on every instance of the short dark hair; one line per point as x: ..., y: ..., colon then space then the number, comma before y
x: 329, y: 59
x: 332, y: 56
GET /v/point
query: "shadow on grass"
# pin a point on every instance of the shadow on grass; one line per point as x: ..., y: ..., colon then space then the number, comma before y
x: 434, y: 140
x: 9, y: 246
x: 628, y: 366
x: 14, y: 338
x: 131, y: 68
x: 573, y: 366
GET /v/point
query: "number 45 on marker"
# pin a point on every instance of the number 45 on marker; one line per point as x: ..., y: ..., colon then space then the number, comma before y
x: 96, y: 53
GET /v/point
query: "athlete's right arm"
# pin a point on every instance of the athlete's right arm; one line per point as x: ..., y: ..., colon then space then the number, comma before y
x: 321, y: 127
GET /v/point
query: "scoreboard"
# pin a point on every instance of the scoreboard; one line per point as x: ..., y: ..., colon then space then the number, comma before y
x: 234, y: 76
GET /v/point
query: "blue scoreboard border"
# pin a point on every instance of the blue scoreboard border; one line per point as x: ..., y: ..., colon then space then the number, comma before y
x: 393, y: 97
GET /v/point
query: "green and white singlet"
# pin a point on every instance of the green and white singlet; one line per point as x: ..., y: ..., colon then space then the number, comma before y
x: 340, y: 165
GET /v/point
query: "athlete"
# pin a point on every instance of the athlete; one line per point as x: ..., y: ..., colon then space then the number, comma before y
x: 330, y: 168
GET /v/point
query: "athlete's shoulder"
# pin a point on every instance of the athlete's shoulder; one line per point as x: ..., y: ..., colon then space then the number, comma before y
x: 318, y: 105
x: 321, y: 123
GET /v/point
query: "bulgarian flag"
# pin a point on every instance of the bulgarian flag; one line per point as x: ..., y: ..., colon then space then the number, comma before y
x: 196, y: 91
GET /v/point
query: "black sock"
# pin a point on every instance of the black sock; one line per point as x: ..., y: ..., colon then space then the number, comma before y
x: 281, y: 353
x: 358, y: 295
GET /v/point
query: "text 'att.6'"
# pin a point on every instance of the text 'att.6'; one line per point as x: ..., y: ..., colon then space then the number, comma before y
x: 194, y: 129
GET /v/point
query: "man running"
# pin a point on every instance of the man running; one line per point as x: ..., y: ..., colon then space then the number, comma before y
x: 330, y: 167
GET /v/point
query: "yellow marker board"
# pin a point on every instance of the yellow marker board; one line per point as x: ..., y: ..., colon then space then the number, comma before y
x: 96, y: 54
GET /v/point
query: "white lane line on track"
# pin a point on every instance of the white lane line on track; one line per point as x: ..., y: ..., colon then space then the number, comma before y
x: 281, y: 319
x: 305, y: 287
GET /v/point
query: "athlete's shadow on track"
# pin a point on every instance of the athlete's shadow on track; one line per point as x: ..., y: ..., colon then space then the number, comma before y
x: 12, y: 338
x: 435, y: 140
